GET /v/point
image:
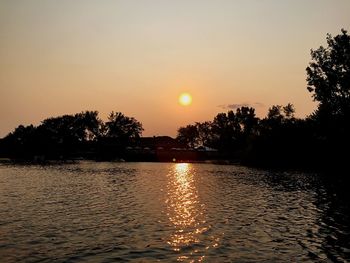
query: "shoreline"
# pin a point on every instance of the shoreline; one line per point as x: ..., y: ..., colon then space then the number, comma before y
x: 121, y: 160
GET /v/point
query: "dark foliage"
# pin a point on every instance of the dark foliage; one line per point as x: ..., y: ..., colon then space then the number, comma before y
x: 117, y: 133
x: 70, y: 136
x: 280, y: 140
x: 328, y: 77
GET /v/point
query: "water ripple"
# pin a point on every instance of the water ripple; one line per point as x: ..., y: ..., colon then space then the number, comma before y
x: 144, y: 212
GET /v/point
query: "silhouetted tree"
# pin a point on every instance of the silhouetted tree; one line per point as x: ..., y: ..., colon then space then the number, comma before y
x: 204, y: 133
x: 247, y: 119
x: 116, y: 134
x: 328, y: 78
x: 188, y: 135
x: 278, y: 115
x: 228, y: 132
x: 225, y: 128
x: 62, y: 135
x: 289, y: 111
x: 20, y: 142
x: 81, y: 134
x: 275, y: 113
x: 278, y: 139
x: 122, y: 128
x: 91, y: 125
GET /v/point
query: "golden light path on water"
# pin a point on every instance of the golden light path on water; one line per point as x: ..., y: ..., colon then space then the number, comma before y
x: 185, y: 211
x: 148, y: 212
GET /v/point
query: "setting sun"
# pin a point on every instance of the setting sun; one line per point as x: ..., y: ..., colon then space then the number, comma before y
x: 185, y: 99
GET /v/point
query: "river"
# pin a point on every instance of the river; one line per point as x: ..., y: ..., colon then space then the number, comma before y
x: 169, y: 212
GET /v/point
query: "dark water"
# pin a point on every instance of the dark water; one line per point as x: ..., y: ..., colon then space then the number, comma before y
x: 144, y: 212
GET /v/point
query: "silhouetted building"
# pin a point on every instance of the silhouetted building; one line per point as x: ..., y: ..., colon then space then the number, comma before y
x: 160, y: 143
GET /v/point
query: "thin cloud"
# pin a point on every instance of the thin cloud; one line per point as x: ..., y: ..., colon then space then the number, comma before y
x: 259, y: 104
x: 235, y: 106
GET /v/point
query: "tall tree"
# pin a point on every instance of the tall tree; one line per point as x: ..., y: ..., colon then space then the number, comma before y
x: 90, y: 125
x: 204, y: 133
x: 247, y: 119
x: 226, y: 131
x: 122, y: 127
x: 328, y: 76
x: 188, y: 135
x: 289, y: 111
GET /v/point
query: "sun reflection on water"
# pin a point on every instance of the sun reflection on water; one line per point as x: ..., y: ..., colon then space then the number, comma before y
x: 185, y: 212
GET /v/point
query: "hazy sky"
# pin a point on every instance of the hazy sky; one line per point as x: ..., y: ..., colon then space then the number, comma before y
x: 60, y: 57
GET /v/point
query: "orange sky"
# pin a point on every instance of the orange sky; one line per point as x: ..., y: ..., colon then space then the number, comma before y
x: 62, y: 57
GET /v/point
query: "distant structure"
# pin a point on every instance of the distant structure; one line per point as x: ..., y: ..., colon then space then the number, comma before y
x: 167, y: 149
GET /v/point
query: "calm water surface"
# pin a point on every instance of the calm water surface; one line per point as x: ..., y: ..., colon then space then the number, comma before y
x: 144, y: 212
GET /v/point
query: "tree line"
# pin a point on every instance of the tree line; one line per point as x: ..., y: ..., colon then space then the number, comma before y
x: 279, y: 139
x: 82, y: 134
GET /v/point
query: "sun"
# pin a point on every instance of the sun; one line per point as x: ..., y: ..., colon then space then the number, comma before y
x: 185, y: 99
